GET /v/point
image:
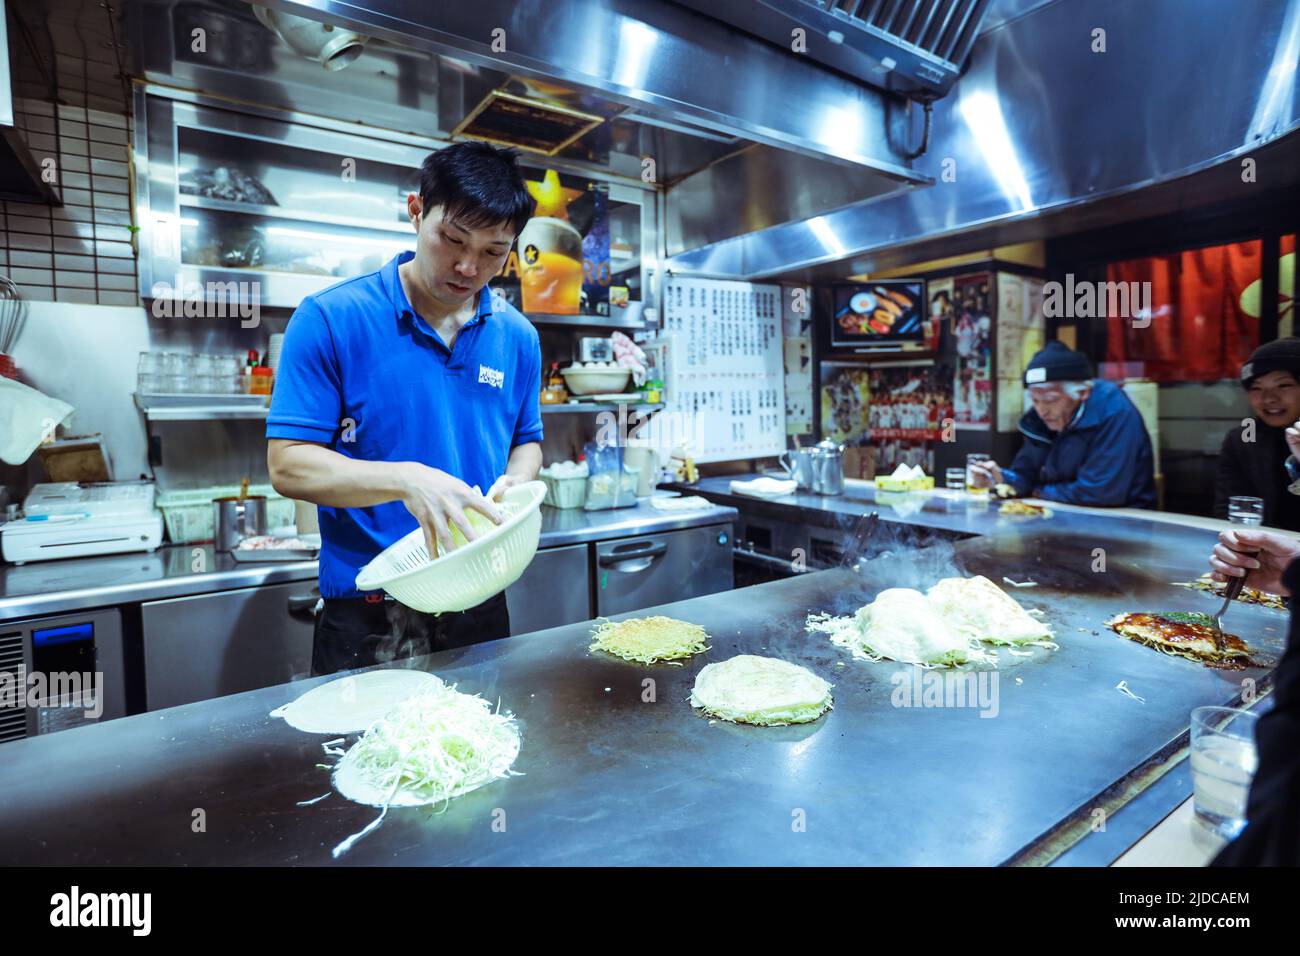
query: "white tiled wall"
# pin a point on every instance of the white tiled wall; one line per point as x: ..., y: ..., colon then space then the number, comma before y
x: 81, y: 251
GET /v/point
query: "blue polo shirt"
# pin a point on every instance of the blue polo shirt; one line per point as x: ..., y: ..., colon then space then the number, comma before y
x: 361, y: 373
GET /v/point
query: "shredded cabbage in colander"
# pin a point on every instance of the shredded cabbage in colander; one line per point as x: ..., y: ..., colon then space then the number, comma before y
x: 648, y: 640
x: 481, y: 523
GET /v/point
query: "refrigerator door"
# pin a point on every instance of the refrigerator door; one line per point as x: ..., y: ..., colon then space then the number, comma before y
x: 637, y: 573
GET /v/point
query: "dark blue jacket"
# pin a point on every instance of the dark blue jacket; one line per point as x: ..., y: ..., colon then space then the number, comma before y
x: 1102, y: 458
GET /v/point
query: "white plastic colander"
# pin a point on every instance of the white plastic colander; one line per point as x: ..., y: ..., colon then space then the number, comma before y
x: 473, y: 572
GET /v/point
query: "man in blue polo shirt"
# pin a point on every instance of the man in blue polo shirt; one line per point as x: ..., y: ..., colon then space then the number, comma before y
x: 401, y: 392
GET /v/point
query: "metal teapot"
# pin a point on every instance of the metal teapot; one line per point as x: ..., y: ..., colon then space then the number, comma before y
x: 828, y: 468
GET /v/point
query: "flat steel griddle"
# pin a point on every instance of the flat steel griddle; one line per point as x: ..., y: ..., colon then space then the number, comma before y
x: 611, y: 779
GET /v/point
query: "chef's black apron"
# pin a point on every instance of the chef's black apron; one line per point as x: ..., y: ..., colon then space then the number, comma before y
x: 360, y: 632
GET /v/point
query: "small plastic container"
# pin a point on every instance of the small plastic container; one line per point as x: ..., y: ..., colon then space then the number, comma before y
x: 188, y: 514
x: 565, y: 492
x: 603, y: 493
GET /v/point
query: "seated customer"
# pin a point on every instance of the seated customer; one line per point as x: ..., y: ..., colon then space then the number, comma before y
x: 1085, y: 442
x: 1255, y: 459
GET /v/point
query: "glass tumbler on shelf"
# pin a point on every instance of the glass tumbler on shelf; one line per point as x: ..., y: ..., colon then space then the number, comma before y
x: 1223, y: 761
x: 206, y: 381
x: 1243, y: 509
x: 149, y: 373
x: 231, y: 373
x: 175, y: 372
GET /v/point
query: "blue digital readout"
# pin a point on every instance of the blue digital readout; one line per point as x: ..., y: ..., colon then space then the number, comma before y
x: 64, y: 635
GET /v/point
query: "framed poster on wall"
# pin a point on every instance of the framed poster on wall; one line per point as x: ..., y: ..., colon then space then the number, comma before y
x: 972, y: 331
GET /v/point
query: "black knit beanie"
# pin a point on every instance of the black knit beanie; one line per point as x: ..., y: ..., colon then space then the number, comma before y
x: 1058, y: 363
x: 1280, y: 355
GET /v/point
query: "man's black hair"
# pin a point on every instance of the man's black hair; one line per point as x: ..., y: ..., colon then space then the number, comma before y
x: 477, y: 184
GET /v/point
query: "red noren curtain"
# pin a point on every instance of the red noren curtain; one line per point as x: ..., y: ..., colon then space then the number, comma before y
x: 1201, y: 329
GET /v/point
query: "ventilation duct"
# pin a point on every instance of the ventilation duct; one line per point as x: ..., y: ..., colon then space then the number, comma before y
x: 915, y: 48
x: 332, y: 47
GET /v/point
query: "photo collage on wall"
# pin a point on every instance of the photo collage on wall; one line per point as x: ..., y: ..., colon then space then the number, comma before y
x: 972, y: 329
x: 887, y: 415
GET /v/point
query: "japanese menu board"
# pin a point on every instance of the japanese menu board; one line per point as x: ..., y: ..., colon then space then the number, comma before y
x: 728, y: 378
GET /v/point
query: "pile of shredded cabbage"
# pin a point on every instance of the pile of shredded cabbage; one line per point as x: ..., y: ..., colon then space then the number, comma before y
x: 648, y: 640
x: 430, y: 748
x: 947, y: 627
x: 900, y: 625
x: 980, y: 609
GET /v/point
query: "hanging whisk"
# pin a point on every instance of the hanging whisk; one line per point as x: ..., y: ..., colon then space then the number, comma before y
x: 13, y: 313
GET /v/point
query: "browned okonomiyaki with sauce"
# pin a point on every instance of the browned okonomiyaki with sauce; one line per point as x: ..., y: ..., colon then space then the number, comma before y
x: 1183, y: 634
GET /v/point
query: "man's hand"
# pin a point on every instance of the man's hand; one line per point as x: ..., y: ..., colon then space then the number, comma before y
x: 438, y: 501
x: 501, y: 484
x: 1275, y: 553
x: 986, y: 474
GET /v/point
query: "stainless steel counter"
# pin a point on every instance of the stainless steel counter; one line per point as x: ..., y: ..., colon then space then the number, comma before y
x: 56, y: 587
x: 610, y: 779
x: 969, y: 515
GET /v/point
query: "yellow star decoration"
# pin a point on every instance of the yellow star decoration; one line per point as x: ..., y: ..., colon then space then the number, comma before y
x: 552, y: 198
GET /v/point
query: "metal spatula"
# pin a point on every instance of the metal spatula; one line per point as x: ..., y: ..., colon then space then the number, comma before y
x: 1230, y: 594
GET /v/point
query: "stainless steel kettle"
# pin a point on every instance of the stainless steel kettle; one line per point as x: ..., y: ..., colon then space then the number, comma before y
x: 828, y: 468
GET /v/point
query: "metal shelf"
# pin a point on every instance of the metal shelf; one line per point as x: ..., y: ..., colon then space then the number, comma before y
x: 630, y: 317
x: 299, y: 215
x: 203, y: 408
x: 578, y: 407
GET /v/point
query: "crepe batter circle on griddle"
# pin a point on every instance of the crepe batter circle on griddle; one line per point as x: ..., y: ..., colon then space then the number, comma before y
x: 353, y: 703
x: 748, y: 689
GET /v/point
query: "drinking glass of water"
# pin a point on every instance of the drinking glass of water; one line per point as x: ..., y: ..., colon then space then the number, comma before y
x: 1223, y: 762
x: 954, y: 479
x: 1243, y: 509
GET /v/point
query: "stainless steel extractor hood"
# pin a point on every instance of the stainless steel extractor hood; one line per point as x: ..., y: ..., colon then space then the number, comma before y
x: 21, y: 173
x: 659, y: 59
x: 1046, y: 135
x: 912, y: 47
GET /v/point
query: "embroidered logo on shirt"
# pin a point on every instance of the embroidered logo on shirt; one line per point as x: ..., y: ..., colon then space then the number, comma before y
x: 491, y: 376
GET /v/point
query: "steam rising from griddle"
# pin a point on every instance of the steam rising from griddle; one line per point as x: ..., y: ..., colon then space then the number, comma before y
x: 886, y: 554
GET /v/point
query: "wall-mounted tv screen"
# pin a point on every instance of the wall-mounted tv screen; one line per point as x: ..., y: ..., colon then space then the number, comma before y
x: 885, y: 315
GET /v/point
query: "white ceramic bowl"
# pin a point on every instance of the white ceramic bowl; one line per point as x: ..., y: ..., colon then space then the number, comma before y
x: 469, y: 575
x: 596, y: 381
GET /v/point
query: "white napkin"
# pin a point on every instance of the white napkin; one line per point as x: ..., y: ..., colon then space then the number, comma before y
x: 765, y: 487
x: 26, y: 417
x: 685, y: 503
x: 908, y: 472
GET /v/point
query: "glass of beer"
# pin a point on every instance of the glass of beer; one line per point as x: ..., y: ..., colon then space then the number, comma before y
x: 976, y: 483
x: 550, y: 265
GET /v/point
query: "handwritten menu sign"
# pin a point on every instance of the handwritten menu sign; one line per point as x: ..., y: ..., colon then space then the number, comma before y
x: 728, y: 366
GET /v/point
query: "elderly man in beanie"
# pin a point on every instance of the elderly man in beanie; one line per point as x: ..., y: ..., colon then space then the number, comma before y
x: 1260, y: 460
x: 1085, y: 442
